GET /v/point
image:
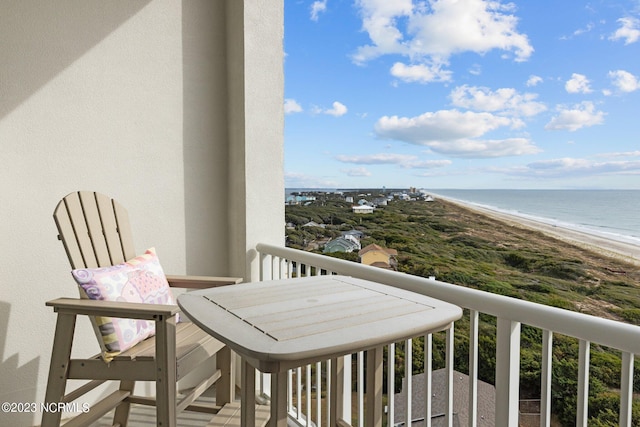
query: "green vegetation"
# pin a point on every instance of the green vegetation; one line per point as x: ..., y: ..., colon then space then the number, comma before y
x: 465, y: 248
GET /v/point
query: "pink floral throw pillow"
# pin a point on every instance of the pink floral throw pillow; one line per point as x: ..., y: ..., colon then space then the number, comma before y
x: 138, y: 280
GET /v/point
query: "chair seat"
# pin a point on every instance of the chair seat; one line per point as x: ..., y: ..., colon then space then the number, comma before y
x: 192, y: 346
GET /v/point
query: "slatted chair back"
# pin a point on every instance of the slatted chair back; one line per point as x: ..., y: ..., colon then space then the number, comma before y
x: 94, y: 230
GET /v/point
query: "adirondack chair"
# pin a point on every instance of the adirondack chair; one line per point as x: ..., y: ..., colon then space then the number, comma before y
x: 96, y: 233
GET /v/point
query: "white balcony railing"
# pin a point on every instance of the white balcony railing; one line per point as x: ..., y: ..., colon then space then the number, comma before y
x: 279, y: 262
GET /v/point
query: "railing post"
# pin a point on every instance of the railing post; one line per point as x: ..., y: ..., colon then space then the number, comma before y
x: 582, y: 415
x: 408, y: 375
x: 373, y: 417
x: 507, y: 373
x: 428, y: 370
x: 360, y: 385
x: 391, y: 386
x: 545, y: 386
x: 345, y: 389
x: 473, y: 368
x: 626, y: 389
x: 449, y: 368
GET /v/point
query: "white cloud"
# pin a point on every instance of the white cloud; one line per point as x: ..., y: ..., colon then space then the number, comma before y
x: 624, y: 81
x: 442, y: 125
x: 302, y: 180
x: 506, y: 100
x: 590, y: 26
x: 406, y: 161
x: 430, y: 32
x: 579, y: 116
x: 376, y: 159
x: 483, y: 149
x: 338, y: 109
x: 420, y: 73
x: 357, y: 172
x: 534, y: 80
x: 379, y: 21
x: 291, y: 106
x: 578, y: 83
x: 475, y: 70
x: 629, y: 30
x: 567, y: 166
x: 452, y: 132
x: 625, y: 154
x: 318, y: 7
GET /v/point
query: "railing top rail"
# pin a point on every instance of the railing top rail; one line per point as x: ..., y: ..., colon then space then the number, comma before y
x: 610, y: 333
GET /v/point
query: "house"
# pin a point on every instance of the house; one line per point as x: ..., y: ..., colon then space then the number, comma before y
x: 380, y: 201
x: 364, y: 209
x: 378, y: 256
x: 486, y: 400
x: 314, y: 224
x: 355, y: 233
x: 299, y: 199
x: 346, y: 243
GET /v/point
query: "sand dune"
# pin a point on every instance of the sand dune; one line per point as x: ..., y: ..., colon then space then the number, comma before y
x: 595, y: 242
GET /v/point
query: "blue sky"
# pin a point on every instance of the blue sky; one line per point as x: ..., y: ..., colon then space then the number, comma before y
x: 462, y: 94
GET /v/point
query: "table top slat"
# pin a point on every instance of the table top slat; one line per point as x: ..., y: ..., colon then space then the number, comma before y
x: 288, y: 329
x: 293, y: 303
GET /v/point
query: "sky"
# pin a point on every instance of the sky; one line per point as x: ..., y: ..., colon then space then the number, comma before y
x: 462, y: 94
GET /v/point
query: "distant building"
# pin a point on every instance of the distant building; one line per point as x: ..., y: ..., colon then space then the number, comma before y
x: 349, y: 199
x: 380, y: 201
x: 355, y: 233
x: 297, y: 199
x: 486, y: 400
x: 377, y: 256
x: 346, y: 243
x: 314, y: 224
x: 364, y: 209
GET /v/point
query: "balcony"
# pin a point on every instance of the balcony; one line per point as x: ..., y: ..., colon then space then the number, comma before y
x: 175, y: 108
x: 308, y: 386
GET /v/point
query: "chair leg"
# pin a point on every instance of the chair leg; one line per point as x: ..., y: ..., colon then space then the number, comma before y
x: 59, y: 368
x: 123, y: 410
x: 166, y: 372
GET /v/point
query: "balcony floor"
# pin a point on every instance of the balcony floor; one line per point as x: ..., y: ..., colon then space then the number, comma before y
x: 145, y: 416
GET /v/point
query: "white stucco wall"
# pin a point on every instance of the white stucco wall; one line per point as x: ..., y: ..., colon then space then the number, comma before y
x: 131, y: 98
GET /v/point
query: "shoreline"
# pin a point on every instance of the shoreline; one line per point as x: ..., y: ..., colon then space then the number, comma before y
x: 597, y: 243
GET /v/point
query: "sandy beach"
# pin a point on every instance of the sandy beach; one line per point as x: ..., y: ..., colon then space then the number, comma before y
x: 594, y: 242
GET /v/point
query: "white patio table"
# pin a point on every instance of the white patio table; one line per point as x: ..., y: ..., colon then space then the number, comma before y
x: 282, y: 324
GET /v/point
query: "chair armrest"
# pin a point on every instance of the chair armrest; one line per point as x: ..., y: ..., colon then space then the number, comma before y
x: 128, y: 310
x: 201, y: 282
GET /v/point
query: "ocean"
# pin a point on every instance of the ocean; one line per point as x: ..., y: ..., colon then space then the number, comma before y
x: 614, y: 214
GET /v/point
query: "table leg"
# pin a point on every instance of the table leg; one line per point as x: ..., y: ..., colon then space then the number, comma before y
x: 278, y: 400
x: 248, y: 395
x: 373, y: 391
x: 337, y: 390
